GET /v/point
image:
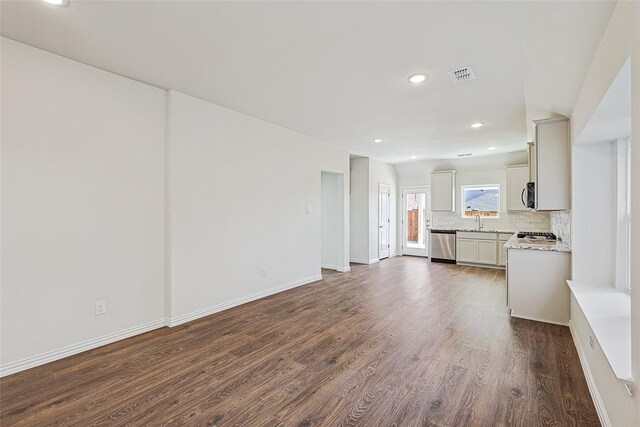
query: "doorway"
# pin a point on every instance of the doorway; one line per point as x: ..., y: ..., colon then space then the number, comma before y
x: 416, y: 208
x: 384, y: 221
x: 332, y: 221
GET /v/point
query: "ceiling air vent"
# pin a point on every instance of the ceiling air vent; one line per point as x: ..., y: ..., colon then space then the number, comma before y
x: 462, y: 74
x: 465, y: 155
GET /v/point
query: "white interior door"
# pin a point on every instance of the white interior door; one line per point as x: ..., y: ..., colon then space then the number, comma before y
x: 383, y: 221
x: 415, y: 221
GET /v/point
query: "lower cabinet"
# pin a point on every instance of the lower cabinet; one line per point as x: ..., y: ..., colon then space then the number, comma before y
x: 467, y: 250
x: 476, y: 248
x: 537, y: 287
x: 487, y: 253
x: 479, y: 247
x: 502, y: 251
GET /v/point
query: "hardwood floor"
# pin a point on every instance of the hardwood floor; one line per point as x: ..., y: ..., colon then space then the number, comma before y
x: 402, y: 343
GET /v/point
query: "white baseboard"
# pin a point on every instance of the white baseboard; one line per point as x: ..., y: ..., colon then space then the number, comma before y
x: 593, y: 389
x: 496, y: 266
x: 336, y: 268
x: 538, y: 320
x: 364, y: 261
x: 179, y: 320
x: 50, y: 356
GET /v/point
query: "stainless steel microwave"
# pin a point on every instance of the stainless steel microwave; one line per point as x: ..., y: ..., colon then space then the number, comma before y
x: 531, y: 195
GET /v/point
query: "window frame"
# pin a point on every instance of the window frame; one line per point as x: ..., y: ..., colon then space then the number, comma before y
x: 479, y: 186
x: 628, y: 217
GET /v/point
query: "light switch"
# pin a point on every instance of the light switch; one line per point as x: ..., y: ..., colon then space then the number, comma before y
x: 308, y: 210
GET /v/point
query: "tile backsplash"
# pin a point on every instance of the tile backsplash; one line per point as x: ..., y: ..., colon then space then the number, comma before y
x: 508, y: 221
x: 561, y: 226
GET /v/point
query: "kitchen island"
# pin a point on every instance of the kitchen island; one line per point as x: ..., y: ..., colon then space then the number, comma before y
x: 536, y: 277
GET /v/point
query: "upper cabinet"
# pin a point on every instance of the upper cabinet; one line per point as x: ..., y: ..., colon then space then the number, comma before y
x: 517, y: 178
x: 443, y: 191
x: 531, y: 151
x: 552, y: 164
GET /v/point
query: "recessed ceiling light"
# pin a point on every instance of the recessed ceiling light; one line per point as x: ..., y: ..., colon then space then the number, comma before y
x: 377, y: 140
x: 417, y: 78
x: 491, y: 148
x: 414, y: 157
x: 57, y: 2
x: 476, y: 125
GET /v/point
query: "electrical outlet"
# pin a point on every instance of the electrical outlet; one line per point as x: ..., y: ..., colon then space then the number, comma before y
x: 591, y: 342
x: 308, y: 210
x: 264, y: 272
x: 101, y: 307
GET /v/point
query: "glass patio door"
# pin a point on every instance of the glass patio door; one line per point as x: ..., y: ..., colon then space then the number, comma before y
x: 416, y: 217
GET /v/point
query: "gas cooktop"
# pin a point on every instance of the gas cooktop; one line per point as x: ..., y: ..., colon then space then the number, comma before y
x: 536, y: 235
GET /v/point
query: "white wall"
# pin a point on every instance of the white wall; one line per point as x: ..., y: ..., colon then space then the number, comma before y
x: 594, y: 213
x: 83, y: 205
x: 622, y: 220
x: 239, y: 188
x: 100, y: 203
x: 359, y: 211
x: 620, y: 41
x: 366, y: 176
x: 382, y: 173
x: 332, y: 206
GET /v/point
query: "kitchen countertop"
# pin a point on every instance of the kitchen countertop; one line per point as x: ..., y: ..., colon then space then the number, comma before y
x: 558, y: 246
x: 475, y: 230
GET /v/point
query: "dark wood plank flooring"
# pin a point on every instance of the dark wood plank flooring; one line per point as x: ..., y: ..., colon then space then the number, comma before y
x: 403, y: 343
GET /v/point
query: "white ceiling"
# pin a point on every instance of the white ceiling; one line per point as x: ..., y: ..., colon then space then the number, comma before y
x: 337, y: 70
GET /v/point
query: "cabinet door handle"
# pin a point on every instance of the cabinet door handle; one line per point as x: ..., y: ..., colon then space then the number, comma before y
x: 522, y: 197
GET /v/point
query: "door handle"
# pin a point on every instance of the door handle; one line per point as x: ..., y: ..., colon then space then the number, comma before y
x: 522, y: 197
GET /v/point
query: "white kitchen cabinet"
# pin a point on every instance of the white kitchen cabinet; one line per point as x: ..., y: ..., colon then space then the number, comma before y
x: 443, y: 191
x: 476, y: 248
x: 552, y: 164
x: 466, y: 250
x: 517, y: 178
x: 536, y: 282
x: 502, y: 251
x: 531, y: 156
x: 487, y: 253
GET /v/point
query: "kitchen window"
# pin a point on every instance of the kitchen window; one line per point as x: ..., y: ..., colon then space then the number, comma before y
x: 483, y: 200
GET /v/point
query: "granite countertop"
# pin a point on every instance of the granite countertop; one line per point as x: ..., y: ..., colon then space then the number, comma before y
x: 475, y: 230
x: 515, y: 243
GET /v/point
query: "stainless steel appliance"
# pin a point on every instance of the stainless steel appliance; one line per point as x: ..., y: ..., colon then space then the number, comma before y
x: 536, y: 238
x: 536, y: 235
x: 443, y: 246
x: 531, y: 195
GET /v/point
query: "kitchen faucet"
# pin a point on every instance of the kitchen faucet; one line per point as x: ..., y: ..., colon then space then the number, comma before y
x: 479, y: 223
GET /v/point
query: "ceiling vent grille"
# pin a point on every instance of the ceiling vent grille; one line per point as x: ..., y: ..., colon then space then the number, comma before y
x: 462, y: 74
x: 465, y: 155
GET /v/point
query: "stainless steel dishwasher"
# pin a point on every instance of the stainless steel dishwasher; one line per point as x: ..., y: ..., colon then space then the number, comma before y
x: 443, y: 246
